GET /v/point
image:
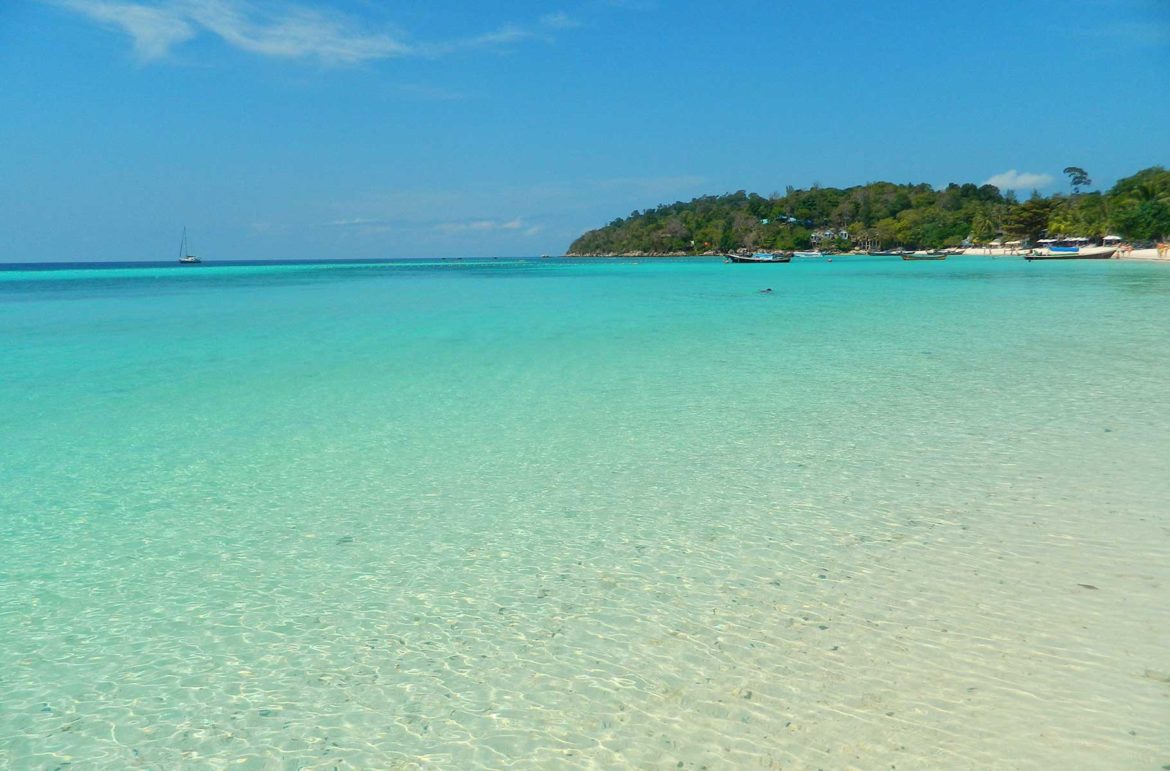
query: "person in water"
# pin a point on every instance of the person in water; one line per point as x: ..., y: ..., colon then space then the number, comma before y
x: 766, y: 291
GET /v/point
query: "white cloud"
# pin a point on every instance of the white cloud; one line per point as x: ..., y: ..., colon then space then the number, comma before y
x: 504, y: 36
x: 480, y: 225
x: 1017, y: 180
x: 280, y: 30
x: 296, y: 33
x: 354, y: 222
x: 154, y: 30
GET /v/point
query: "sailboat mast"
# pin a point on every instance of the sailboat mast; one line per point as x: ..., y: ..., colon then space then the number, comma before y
x: 183, y: 243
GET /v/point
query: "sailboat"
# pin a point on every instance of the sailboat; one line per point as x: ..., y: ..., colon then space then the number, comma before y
x: 186, y: 259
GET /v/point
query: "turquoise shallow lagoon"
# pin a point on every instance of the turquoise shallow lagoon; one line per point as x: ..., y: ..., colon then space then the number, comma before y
x: 595, y: 514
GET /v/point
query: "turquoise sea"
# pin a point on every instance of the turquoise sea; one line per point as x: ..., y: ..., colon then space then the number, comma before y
x: 586, y: 514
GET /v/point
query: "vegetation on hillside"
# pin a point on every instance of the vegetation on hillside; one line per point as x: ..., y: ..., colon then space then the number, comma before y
x: 883, y: 215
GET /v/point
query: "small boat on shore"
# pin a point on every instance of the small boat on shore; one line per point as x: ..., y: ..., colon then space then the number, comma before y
x: 1072, y: 253
x: 184, y: 258
x: 924, y: 255
x: 767, y: 257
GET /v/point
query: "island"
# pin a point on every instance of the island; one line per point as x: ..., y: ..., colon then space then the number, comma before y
x: 884, y: 215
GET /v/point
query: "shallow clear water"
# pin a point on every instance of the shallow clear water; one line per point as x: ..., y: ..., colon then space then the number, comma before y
x: 586, y: 514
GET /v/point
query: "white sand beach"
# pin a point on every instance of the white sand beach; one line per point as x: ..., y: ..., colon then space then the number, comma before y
x: 1145, y: 254
x: 996, y: 251
x: 1136, y: 254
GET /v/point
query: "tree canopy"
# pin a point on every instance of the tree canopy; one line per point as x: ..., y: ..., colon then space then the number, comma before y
x: 882, y: 215
x: 1078, y: 178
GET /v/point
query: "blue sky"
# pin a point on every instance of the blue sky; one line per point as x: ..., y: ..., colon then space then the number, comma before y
x: 368, y: 128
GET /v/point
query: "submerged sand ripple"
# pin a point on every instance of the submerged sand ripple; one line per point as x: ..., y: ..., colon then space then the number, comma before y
x: 704, y: 548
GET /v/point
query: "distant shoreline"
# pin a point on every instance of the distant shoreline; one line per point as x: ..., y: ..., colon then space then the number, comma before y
x: 1140, y: 255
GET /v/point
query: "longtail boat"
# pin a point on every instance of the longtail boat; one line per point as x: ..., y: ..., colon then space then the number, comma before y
x: 767, y: 257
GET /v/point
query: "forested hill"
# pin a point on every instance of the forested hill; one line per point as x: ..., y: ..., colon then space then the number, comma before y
x: 883, y: 215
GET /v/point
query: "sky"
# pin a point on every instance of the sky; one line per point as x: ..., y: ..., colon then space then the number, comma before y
x: 364, y: 129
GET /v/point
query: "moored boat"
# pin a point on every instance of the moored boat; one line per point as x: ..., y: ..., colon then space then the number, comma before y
x: 809, y: 255
x: 924, y: 255
x: 768, y: 257
x: 1072, y: 253
x: 184, y: 258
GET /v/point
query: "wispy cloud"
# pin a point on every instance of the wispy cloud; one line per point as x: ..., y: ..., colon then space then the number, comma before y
x: 154, y: 30
x: 480, y: 226
x: 363, y: 226
x: 633, y: 5
x: 526, y: 210
x: 1019, y: 180
x: 286, y: 31
x: 1144, y: 33
x: 1130, y: 23
x: 293, y: 33
x: 267, y: 229
x: 355, y: 222
x: 499, y: 38
x: 505, y: 36
x: 559, y: 21
x: 540, y: 216
x: 290, y: 32
x: 426, y: 93
x: 375, y: 225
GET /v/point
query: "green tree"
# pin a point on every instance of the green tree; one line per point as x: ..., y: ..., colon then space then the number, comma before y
x: 1029, y: 220
x: 1078, y: 178
x: 1139, y: 206
x: 982, y: 228
x: 886, y: 214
